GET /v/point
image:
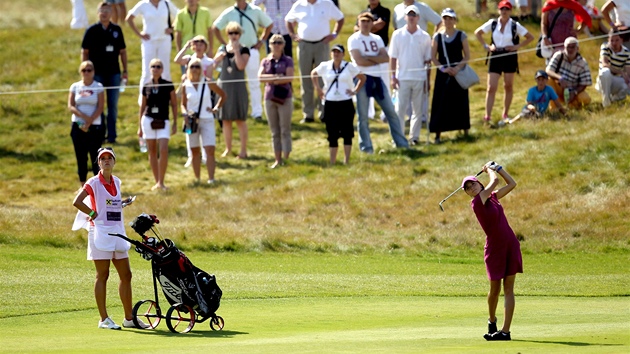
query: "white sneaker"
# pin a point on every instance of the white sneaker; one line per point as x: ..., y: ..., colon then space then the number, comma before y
x: 606, y: 101
x: 188, y: 162
x: 129, y: 324
x: 108, y: 324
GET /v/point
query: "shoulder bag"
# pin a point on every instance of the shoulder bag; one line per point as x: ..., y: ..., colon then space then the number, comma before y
x: 466, y: 77
x: 191, y: 121
x: 170, y: 25
x: 543, y: 51
x: 279, y: 93
x: 335, y: 81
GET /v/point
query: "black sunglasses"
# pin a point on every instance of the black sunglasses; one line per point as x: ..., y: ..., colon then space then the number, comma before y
x: 233, y: 33
x: 87, y: 70
x: 278, y: 43
x: 195, y: 66
x: 156, y: 66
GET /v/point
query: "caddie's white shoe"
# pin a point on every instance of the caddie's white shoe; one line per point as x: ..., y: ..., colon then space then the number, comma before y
x: 129, y: 324
x: 108, y: 324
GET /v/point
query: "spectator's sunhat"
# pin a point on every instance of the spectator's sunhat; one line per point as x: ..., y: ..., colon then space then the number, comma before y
x: 338, y: 47
x: 571, y: 40
x: 541, y: 73
x: 412, y: 8
x: 448, y: 12
x: 105, y: 150
x: 505, y: 3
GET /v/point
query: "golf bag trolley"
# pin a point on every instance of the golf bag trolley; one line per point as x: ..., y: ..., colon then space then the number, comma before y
x: 193, y: 294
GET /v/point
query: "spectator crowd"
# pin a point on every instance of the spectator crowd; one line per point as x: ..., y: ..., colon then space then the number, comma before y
x: 223, y: 66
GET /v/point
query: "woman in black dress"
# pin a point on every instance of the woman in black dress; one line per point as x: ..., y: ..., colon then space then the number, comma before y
x: 450, y: 106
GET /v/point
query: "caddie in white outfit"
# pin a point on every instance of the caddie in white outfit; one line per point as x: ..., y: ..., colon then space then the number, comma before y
x: 100, y: 211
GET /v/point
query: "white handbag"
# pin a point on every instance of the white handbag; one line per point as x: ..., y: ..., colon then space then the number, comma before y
x: 466, y: 77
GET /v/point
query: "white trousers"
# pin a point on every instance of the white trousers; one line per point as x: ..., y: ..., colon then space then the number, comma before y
x: 610, y: 84
x: 253, y: 84
x: 152, y: 49
x: 411, y: 92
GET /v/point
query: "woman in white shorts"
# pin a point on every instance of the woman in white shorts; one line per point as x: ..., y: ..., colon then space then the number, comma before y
x: 104, y: 212
x: 196, y: 100
x: 155, y: 127
x: 199, y: 46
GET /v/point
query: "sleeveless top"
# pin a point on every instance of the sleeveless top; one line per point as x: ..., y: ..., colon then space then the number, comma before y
x: 193, y: 94
x: 454, y: 49
x: 109, y: 218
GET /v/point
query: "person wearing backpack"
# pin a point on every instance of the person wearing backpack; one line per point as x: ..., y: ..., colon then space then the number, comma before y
x: 505, y: 35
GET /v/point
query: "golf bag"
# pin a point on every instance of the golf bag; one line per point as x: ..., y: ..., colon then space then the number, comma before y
x: 180, y: 280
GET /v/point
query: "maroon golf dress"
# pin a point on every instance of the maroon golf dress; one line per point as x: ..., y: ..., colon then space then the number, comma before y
x: 502, y: 252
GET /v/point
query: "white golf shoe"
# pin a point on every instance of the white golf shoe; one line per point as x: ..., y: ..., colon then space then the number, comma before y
x: 129, y: 324
x: 108, y: 324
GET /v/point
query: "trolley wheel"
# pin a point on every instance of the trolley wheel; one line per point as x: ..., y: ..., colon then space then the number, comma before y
x: 148, y: 311
x: 217, y: 323
x: 180, y: 318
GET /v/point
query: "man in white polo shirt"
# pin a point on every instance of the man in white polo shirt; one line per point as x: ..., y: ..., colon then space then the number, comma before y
x: 250, y: 17
x: 368, y: 52
x: 425, y: 16
x: 312, y: 36
x: 409, y: 55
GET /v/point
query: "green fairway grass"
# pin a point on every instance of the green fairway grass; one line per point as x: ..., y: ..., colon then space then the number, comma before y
x: 314, y: 303
x: 315, y: 258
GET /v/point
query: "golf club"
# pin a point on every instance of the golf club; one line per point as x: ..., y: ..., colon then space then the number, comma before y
x: 457, y: 190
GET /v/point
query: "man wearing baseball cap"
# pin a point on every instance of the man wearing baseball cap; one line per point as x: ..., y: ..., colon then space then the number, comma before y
x: 570, y: 75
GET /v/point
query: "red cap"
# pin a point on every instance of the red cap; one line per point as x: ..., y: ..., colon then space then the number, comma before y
x: 505, y: 3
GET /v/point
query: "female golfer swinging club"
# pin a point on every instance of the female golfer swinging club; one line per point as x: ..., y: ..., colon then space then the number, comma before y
x: 502, y: 252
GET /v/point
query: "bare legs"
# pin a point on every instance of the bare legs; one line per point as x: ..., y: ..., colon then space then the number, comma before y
x: 119, y: 12
x: 509, y: 301
x: 493, y: 83
x: 242, y: 132
x: 346, y: 151
x: 158, y: 164
x: 124, y: 288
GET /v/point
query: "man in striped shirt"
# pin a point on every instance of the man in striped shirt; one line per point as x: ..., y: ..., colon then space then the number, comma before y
x: 614, y: 70
x: 570, y: 75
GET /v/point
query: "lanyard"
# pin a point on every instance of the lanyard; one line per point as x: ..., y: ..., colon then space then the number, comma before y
x: 194, y: 21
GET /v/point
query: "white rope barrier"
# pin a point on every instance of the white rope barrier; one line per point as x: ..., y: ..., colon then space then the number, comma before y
x: 523, y: 51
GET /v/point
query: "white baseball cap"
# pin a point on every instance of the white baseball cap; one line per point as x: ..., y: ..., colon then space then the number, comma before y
x: 412, y: 8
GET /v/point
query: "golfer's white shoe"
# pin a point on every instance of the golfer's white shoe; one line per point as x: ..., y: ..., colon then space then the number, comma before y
x: 129, y: 324
x: 108, y: 324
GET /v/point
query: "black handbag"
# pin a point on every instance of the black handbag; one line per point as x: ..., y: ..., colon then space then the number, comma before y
x: 157, y: 124
x: 191, y: 121
x: 279, y: 94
